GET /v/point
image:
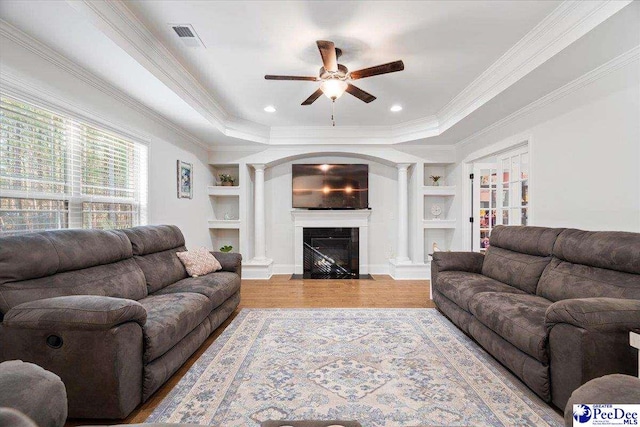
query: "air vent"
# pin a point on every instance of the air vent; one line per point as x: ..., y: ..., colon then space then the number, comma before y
x: 183, y: 31
x: 187, y: 35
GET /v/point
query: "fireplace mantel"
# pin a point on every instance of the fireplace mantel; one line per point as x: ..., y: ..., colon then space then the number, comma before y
x: 358, y: 218
x: 329, y: 218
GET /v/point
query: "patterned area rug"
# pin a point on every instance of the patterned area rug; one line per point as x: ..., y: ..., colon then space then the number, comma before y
x: 407, y: 367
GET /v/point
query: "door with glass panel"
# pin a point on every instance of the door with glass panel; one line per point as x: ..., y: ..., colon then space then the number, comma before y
x: 513, y: 184
x: 500, y: 195
x: 485, y: 203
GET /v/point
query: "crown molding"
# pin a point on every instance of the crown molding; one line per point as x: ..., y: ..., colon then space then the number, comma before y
x: 19, y: 88
x: 34, y: 46
x: 386, y: 154
x: 563, y: 26
x: 123, y: 27
x: 621, y: 61
x: 567, y: 23
x: 360, y: 135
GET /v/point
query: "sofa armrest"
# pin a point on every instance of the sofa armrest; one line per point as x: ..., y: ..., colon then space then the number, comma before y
x: 77, y: 312
x: 230, y: 261
x: 595, y: 314
x: 459, y: 261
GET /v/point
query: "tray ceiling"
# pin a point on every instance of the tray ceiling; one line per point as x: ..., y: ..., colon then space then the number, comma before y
x: 458, y: 56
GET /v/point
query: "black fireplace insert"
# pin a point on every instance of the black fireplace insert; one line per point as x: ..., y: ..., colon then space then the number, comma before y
x: 331, y: 253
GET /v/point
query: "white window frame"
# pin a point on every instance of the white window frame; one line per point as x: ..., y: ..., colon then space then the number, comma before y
x: 74, y: 198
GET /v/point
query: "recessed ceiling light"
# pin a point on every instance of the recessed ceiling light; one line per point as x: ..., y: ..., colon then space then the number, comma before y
x: 396, y: 108
x: 270, y: 109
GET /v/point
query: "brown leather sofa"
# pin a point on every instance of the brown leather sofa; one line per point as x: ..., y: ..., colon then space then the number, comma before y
x: 112, y: 313
x: 555, y: 306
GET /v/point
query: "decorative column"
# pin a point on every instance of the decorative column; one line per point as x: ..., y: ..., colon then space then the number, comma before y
x: 403, y: 213
x: 260, y: 248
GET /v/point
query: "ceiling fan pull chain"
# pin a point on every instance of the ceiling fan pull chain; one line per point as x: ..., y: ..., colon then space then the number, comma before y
x: 333, y: 106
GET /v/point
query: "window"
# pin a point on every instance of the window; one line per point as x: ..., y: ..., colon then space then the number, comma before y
x: 57, y: 172
x: 514, y: 188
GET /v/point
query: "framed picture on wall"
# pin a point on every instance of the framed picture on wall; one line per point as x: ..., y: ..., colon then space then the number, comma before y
x: 185, y: 180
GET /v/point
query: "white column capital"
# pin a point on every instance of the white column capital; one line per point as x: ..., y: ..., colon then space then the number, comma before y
x: 402, y: 166
x: 258, y: 166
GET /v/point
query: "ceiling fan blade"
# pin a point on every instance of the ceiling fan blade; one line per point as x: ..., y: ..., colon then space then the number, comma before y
x: 328, y: 53
x: 272, y: 77
x: 391, y: 67
x: 360, y: 94
x: 315, y: 95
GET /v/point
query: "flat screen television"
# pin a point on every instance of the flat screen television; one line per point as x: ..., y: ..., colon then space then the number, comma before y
x: 330, y: 186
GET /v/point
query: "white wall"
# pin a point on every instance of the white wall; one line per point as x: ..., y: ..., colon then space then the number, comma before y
x: 43, y: 79
x: 382, y: 222
x: 585, y: 155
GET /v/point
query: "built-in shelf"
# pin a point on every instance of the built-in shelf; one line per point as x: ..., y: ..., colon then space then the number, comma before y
x: 445, y: 190
x: 221, y: 223
x: 439, y: 223
x: 221, y: 190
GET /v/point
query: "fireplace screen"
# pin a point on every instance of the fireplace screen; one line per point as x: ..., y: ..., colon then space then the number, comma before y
x: 330, y: 253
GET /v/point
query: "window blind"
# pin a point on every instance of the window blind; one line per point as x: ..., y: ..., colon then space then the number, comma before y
x: 58, y: 172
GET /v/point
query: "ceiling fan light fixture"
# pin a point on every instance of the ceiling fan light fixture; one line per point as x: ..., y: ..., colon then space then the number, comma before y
x: 333, y: 88
x: 396, y: 108
x: 270, y: 109
x: 335, y: 79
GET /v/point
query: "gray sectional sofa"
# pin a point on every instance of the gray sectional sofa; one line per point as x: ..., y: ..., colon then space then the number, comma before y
x: 112, y: 313
x: 555, y: 306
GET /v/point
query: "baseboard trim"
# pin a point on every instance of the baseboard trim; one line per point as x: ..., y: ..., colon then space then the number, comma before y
x: 283, y: 268
x: 257, y: 269
x: 409, y: 271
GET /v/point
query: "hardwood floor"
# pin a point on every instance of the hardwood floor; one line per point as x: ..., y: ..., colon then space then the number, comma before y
x: 280, y: 292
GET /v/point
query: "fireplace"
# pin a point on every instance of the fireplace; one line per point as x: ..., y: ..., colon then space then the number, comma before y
x: 331, y: 253
x: 356, y: 221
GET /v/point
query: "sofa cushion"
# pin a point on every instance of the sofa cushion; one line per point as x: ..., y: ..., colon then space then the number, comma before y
x: 42, y: 254
x: 123, y: 279
x: 590, y: 264
x: 155, y: 247
x: 149, y: 239
x: 513, y: 268
x: 612, y: 250
x: 460, y: 287
x: 564, y: 280
x: 161, y: 268
x: 218, y: 287
x: 517, y: 318
x: 169, y: 319
x: 538, y: 241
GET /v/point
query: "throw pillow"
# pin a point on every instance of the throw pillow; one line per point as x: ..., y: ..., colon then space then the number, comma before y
x: 199, y: 262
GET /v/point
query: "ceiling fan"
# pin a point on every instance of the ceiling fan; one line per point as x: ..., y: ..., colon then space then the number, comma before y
x: 335, y: 78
